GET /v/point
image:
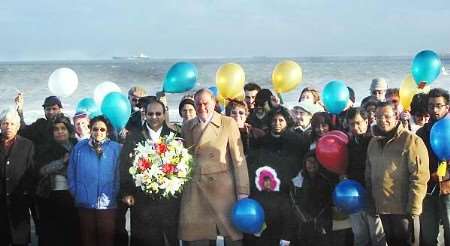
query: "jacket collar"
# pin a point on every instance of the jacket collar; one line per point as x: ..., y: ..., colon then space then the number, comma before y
x: 215, y: 120
x: 164, y: 132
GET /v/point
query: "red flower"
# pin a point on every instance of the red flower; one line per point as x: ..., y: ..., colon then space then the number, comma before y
x: 168, y: 168
x: 144, y: 164
x: 161, y: 148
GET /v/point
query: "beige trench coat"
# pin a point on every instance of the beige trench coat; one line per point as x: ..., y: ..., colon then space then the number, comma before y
x: 219, y: 175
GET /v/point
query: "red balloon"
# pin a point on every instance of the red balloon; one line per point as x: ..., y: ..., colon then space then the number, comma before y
x: 332, y: 153
x: 341, y: 135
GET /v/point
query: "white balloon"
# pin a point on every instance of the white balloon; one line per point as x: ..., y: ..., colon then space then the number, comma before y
x: 63, y: 82
x: 104, y: 89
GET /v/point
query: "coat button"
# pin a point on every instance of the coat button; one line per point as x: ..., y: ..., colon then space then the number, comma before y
x: 7, y: 179
x: 7, y: 163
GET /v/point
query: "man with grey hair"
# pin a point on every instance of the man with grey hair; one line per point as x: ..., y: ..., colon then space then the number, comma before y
x: 16, y: 181
x: 220, y: 176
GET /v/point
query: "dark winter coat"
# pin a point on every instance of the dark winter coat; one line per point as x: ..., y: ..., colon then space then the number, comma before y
x: 16, y: 186
x: 357, y: 155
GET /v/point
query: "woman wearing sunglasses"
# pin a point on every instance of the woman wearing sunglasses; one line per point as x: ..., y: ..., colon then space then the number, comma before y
x: 94, y: 183
x: 238, y: 111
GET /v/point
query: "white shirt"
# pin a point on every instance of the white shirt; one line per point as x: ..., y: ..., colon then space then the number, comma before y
x: 154, y: 135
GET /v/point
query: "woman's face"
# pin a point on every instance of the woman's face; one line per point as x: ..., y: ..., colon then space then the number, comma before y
x: 421, y: 119
x: 239, y: 114
x: 279, y: 124
x: 99, y: 131
x: 307, y: 96
x: 311, y: 165
x: 188, y: 112
x: 60, y: 133
x: 322, y: 129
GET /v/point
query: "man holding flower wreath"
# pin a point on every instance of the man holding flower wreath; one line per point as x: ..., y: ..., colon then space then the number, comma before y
x: 153, y: 213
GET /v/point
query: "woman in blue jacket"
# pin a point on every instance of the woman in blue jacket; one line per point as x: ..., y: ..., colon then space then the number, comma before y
x: 93, y: 175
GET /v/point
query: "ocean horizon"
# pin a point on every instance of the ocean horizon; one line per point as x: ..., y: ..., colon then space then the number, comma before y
x: 31, y: 77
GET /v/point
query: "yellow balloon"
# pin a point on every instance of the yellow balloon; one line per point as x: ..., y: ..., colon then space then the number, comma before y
x: 408, y: 89
x: 230, y: 79
x: 240, y: 96
x: 286, y: 76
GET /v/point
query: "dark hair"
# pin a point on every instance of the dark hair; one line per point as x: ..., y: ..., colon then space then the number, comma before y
x: 385, y: 104
x: 439, y: 92
x: 104, y: 120
x: 309, y: 154
x: 320, y: 118
x: 157, y: 102
x: 353, y: 112
x: 371, y: 101
x: 262, y: 97
x: 184, y: 102
x: 252, y: 87
x: 144, y: 101
x: 351, y: 93
x: 61, y: 118
x: 419, y: 104
x: 283, y: 112
x: 392, y: 92
x: 234, y: 103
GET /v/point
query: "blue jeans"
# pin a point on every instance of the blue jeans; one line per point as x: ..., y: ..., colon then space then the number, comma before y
x: 436, y: 209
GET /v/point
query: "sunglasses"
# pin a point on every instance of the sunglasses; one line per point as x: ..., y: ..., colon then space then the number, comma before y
x: 95, y: 129
x: 154, y: 113
x: 394, y: 101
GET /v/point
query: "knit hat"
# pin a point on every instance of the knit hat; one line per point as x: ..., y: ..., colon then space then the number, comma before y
x: 378, y: 84
x: 52, y: 100
x: 186, y: 100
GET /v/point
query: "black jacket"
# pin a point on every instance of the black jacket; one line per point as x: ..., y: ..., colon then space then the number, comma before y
x: 424, y: 133
x: 284, y: 154
x: 357, y: 155
x: 39, y: 133
x: 16, y: 185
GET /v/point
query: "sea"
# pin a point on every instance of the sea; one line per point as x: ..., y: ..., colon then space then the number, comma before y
x: 31, y: 77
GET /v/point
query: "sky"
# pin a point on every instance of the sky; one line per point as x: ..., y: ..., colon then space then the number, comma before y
x: 100, y: 29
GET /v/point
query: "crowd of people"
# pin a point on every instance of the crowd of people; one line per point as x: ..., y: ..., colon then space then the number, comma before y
x: 71, y: 175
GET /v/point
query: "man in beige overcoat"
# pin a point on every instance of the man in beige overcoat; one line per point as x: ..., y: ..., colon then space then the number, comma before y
x: 220, y: 175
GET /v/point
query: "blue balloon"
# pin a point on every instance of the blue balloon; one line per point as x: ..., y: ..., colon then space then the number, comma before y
x: 335, y: 96
x: 426, y: 67
x: 117, y: 108
x: 440, y: 138
x: 214, y: 90
x: 181, y: 77
x: 350, y: 197
x: 247, y: 216
x: 87, y: 105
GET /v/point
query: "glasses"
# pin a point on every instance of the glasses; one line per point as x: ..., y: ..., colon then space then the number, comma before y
x: 154, y: 113
x: 437, y: 106
x: 394, y: 101
x: 238, y: 112
x: 95, y: 129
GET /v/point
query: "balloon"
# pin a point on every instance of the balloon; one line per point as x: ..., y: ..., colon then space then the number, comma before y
x: 332, y: 153
x: 222, y: 101
x: 88, y: 106
x: 408, y: 89
x: 103, y: 89
x: 214, y: 90
x: 247, y: 216
x: 63, y: 82
x: 335, y: 96
x: 117, y: 109
x: 426, y: 67
x: 350, y: 196
x: 340, y: 135
x: 230, y: 79
x: 181, y: 77
x: 286, y: 76
x: 440, y: 138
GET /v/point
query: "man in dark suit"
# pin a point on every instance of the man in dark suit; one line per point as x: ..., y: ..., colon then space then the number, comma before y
x: 153, y: 221
x: 16, y: 181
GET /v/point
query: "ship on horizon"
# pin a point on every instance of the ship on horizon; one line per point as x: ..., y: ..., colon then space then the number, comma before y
x: 141, y: 56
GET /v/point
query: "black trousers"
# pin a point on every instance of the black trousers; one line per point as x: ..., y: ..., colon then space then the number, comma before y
x: 154, y: 222
x: 121, y: 234
x: 401, y: 229
x: 58, y: 217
